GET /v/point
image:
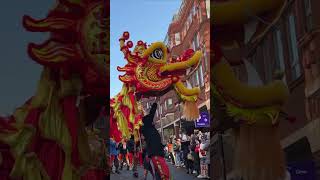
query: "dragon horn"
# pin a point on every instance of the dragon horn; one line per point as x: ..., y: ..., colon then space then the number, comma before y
x: 125, y: 47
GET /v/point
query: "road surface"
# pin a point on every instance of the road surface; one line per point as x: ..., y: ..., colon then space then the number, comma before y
x: 177, y: 173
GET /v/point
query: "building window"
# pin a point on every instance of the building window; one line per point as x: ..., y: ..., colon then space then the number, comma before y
x: 177, y: 38
x: 200, y: 13
x: 193, y: 10
x: 172, y: 42
x: 208, y: 8
x: 169, y: 103
x: 182, y: 33
x: 166, y: 40
x: 294, y: 52
x: 279, y: 50
x: 308, y: 15
x: 279, y: 56
x: 205, y: 60
x: 189, y: 20
x: 268, y: 60
x: 192, y: 80
x: 201, y: 74
x: 195, y: 42
x: 196, y: 78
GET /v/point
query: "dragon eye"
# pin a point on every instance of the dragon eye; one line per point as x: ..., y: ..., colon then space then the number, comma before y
x: 157, y: 54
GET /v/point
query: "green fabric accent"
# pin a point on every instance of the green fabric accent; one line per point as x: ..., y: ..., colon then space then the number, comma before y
x: 258, y: 116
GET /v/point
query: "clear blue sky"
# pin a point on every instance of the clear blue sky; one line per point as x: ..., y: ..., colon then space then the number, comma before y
x: 146, y: 20
x: 18, y: 73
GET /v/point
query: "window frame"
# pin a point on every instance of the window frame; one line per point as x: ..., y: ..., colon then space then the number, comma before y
x: 294, y: 53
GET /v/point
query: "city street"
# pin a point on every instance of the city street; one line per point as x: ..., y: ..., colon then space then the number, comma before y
x: 178, y: 173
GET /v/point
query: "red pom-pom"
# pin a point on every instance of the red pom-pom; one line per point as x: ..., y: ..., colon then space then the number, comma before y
x: 187, y: 54
x: 126, y: 35
x: 140, y: 43
x: 130, y: 44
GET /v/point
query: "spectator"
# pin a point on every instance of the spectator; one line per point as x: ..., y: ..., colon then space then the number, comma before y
x: 185, y: 142
x: 196, y: 162
x: 146, y: 164
x: 170, y: 151
x: 122, y: 153
x: 204, y: 159
x: 189, y: 162
x: 130, y: 147
x: 177, y: 152
x: 114, y: 155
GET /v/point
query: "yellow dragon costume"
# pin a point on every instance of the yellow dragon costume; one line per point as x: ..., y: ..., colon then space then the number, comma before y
x: 256, y: 109
x: 149, y: 73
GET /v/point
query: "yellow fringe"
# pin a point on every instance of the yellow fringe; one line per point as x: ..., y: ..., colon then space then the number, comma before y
x: 258, y: 153
x: 191, y: 111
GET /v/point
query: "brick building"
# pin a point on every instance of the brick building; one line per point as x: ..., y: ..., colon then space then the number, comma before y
x: 292, y: 45
x: 190, y: 28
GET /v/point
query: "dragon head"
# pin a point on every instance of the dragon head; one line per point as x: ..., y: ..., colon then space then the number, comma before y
x: 78, y: 44
x: 150, y: 72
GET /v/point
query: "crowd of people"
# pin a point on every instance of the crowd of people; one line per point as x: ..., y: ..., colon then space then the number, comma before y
x: 186, y: 151
x: 190, y: 152
x: 128, y: 155
x: 122, y: 154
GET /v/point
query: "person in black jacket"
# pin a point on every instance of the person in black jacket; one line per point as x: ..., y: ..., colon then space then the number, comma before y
x: 146, y: 164
x: 123, y: 153
x: 130, y: 147
x: 154, y: 146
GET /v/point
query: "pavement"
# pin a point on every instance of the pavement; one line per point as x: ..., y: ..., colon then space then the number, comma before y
x: 177, y: 173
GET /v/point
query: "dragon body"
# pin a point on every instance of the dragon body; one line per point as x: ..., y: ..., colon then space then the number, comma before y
x: 149, y: 73
x: 46, y: 137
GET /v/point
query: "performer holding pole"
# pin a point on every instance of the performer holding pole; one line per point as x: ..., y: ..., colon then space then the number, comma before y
x: 154, y: 146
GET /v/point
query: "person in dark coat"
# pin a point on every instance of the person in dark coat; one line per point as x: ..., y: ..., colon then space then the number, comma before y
x: 123, y: 153
x: 154, y: 146
x: 146, y: 164
x: 114, y: 155
x: 130, y: 147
